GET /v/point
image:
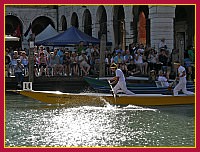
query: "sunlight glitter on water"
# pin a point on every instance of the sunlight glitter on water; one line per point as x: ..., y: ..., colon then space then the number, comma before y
x: 29, y: 123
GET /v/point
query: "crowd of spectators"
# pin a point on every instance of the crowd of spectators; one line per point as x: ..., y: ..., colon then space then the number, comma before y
x: 136, y: 59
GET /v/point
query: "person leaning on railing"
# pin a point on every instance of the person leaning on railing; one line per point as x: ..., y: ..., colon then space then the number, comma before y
x: 19, y: 69
x: 74, y: 63
x: 67, y: 64
x: 83, y: 60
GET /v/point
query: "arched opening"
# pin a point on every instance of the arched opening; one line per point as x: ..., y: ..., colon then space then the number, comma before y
x: 142, y: 28
x: 74, y: 20
x: 87, y: 22
x: 40, y: 23
x: 184, y: 29
x: 63, y: 23
x: 184, y: 24
x: 102, y: 21
x: 13, y: 26
x: 119, y: 26
x: 141, y: 25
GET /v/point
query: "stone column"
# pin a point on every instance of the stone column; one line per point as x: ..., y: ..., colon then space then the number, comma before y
x: 162, y: 25
x: 128, y: 29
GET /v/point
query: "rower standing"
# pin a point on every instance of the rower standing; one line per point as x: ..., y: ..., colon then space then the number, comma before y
x: 119, y: 80
x: 182, y: 80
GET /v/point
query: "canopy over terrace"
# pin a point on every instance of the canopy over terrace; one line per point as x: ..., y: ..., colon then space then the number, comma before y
x: 47, y: 33
x: 11, y: 38
x: 69, y: 37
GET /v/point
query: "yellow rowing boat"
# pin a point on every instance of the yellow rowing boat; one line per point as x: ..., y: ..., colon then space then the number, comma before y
x: 99, y: 99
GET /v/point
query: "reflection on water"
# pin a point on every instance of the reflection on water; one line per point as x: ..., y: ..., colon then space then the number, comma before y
x: 31, y: 123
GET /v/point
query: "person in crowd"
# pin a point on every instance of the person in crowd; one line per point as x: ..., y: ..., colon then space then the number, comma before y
x: 191, y: 53
x: 153, y: 59
x: 131, y: 48
x: 127, y: 57
x: 163, y: 58
x: 36, y: 64
x: 60, y: 53
x: 153, y: 76
x: 162, y: 44
x: 174, y: 57
x: 7, y: 63
x: 83, y: 59
x: 95, y: 56
x: 108, y: 57
x: 163, y: 79
x: 55, y: 63
x: 190, y: 65
x: 15, y: 55
x: 74, y: 63
x: 48, y: 54
x: 42, y: 50
x: 19, y: 69
x: 132, y: 68
x: 119, y: 80
x: 124, y: 68
x: 118, y: 59
x: 42, y: 64
x: 14, y: 61
x: 145, y: 59
x: 89, y: 51
x: 114, y: 52
x: 141, y: 48
x: 67, y: 64
x: 80, y: 47
x: 182, y: 80
x: 119, y: 49
x: 139, y: 62
x: 24, y: 61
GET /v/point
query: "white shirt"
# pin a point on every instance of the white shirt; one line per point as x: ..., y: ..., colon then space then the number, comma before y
x: 164, y: 80
x: 181, y: 69
x: 161, y: 44
x: 84, y: 59
x: 120, y: 74
x: 139, y: 60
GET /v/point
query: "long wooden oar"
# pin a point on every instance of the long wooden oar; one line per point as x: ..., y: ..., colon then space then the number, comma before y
x: 114, y: 95
x: 171, y: 85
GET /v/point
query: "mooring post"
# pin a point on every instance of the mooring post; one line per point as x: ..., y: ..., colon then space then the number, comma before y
x: 31, y: 58
x: 102, y: 56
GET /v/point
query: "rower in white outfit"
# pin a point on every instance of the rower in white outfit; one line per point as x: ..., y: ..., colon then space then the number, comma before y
x: 182, y: 80
x: 120, y: 80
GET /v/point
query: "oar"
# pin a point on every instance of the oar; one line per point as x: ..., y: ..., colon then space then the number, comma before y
x: 114, y: 95
x: 170, y: 86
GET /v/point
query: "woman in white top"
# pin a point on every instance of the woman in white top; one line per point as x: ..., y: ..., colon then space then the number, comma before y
x: 139, y: 62
x: 163, y: 79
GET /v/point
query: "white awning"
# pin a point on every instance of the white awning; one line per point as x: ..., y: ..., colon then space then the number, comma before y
x: 11, y: 38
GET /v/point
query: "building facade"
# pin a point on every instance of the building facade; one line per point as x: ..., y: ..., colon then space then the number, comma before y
x: 122, y: 24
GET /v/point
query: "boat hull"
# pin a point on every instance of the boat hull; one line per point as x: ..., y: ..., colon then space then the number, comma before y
x: 100, y: 99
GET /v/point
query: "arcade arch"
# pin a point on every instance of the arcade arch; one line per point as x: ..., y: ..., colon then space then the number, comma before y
x: 74, y: 20
x: 87, y: 22
x: 40, y: 23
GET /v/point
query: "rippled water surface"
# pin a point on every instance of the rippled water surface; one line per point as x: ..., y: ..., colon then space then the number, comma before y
x: 32, y: 123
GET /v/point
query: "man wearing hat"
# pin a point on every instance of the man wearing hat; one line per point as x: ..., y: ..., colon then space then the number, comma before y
x: 120, y: 80
x: 182, y: 80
